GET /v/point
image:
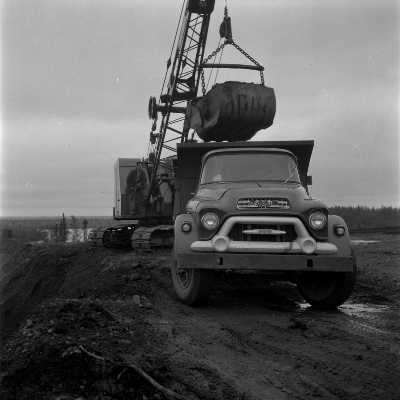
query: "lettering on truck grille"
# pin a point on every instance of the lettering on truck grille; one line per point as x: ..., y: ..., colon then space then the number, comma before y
x: 262, y: 203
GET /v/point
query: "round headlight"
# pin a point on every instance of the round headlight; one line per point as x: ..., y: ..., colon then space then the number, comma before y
x: 210, y: 221
x: 317, y: 220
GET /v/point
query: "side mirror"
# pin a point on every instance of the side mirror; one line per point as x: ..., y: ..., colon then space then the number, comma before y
x: 306, y: 180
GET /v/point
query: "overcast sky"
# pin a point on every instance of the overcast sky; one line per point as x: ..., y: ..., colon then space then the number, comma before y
x: 77, y: 76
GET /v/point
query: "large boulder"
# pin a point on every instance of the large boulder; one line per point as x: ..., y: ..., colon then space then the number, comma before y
x: 232, y: 111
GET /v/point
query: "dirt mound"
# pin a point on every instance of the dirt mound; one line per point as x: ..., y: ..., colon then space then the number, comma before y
x: 29, y: 274
x: 75, y: 295
x: 45, y: 359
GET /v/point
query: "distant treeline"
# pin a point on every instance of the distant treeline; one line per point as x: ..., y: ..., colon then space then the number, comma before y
x: 47, y: 222
x: 49, y: 229
x: 367, y: 218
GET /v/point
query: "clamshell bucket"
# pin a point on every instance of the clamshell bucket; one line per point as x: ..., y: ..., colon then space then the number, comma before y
x: 232, y: 111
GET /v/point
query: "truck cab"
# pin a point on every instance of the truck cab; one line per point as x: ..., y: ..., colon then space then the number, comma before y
x: 251, y: 212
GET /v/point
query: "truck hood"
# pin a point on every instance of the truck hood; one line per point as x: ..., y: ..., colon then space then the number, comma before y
x: 215, y: 191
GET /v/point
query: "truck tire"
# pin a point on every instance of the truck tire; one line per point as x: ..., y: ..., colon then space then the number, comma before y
x: 327, y: 290
x: 192, y: 286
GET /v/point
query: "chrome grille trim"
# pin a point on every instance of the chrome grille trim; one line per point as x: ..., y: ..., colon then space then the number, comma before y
x: 262, y: 232
x: 303, y: 244
x: 262, y: 203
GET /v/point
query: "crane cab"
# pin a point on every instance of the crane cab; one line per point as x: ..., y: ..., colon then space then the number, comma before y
x: 160, y: 202
x: 122, y: 168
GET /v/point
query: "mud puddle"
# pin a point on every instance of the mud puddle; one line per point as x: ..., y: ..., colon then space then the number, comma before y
x: 362, y: 309
x: 367, y: 320
x: 358, y: 310
x: 361, y: 241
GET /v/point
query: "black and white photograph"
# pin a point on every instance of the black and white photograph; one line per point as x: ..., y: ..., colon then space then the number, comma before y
x: 200, y: 199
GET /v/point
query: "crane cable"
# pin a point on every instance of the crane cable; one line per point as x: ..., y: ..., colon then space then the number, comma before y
x: 219, y: 62
x: 152, y: 147
x: 220, y: 58
x: 173, y: 45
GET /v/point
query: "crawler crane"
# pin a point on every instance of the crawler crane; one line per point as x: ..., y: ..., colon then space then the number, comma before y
x: 153, y: 227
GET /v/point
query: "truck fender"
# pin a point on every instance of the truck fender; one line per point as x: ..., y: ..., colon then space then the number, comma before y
x: 341, y: 242
x: 183, y: 240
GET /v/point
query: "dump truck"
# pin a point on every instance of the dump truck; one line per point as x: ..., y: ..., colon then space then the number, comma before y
x: 228, y: 206
x: 244, y: 211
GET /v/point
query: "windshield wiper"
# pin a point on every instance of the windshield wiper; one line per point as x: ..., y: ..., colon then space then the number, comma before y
x: 294, y: 170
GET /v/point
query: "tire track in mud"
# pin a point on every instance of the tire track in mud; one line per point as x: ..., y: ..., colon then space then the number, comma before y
x: 340, y: 361
x: 296, y: 354
x: 286, y: 361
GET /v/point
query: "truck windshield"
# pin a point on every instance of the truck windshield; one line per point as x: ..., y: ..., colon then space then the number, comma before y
x: 249, y: 167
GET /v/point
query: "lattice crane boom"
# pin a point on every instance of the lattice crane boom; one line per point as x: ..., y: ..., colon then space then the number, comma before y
x: 183, y: 83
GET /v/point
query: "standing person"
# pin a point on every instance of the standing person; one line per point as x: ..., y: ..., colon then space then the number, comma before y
x: 137, y: 188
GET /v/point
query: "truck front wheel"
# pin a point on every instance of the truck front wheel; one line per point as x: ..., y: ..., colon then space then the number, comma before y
x: 192, y: 286
x: 327, y: 290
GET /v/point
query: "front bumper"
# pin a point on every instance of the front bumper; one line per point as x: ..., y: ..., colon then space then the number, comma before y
x: 265, y: 262
x: 303, y: 244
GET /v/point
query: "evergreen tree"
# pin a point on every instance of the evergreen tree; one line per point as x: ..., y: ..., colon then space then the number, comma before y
x: 75, y: 229
x: 85, y: 229
x: 55, y: 233
x: 63, y: 229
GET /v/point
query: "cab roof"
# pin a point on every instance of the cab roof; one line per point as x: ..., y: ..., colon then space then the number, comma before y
x: 248, y: 150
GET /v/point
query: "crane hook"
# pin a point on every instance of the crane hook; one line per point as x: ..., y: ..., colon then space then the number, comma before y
x: 225, y: 29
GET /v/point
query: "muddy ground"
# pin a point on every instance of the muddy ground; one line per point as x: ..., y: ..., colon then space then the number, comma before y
x: 76, y: 320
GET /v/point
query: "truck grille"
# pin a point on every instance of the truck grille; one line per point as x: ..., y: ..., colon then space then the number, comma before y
x: 268, y: 233
x: 262, y: 203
